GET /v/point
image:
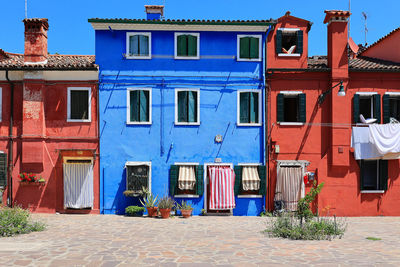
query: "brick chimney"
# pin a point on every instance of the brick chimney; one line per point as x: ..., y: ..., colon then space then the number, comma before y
x: 35, y: 40
x: 338, y: 61
x: 154, y: 12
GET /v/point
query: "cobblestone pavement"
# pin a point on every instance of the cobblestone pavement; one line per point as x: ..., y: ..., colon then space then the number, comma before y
x: 109, y: 240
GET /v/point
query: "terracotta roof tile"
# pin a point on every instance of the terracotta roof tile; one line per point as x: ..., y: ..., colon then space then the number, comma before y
x: 54, y: 62
x: 381, y: 39
x: 359, y: 63
x: 181, y: 21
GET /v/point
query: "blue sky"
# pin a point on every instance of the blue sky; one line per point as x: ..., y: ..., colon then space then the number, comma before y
x: 70, y: 33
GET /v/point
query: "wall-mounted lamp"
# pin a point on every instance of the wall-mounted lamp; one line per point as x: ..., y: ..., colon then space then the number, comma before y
x: 341, y: 92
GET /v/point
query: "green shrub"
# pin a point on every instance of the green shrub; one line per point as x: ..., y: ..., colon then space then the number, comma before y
x: 289, y: 226
x: 134, y: 210
x: 17, y: 220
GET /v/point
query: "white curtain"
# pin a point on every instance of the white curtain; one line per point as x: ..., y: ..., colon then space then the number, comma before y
x: 290, y: 186
x: 250, y: 178
x: 78, y: 185
x: 187, y: 177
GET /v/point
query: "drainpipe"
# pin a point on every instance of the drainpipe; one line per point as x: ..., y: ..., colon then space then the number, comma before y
x: 265, y: 134
x: 10, y: 147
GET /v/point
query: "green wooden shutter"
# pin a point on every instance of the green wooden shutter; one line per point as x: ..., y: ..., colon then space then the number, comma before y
x: 254, y: 47
x: 182, y: 106
x: 299, y: 47
x: 244, y: 107
x: 280, y: 109
x: 253, y: 107
x: 244, y: 47
x: 182, y: 45
x: 134, y: 105
x: 238, y: 179
x: 3, y: 169
x: 361, y: 175
x: 199, y: 180
x: 173, y: 179
x: 144, y: 105
x: 383, y: 174
x: 356, y: 108
x: 377, y: 107
x: 262, y: 173
x: 302, y: 107
x: 192, y: 45
x: 192, y: 109
x: 278, y: 44
x: 386, y: 108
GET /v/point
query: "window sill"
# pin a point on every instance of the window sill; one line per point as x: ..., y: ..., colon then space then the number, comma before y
x: 138, y: 57
x: 291, y: 123
x: 73, y: 120
x: 178, y: 57
x: 249, y: 124
x: 249, y: 59
x: 186, y: 196
x: 187, y: 123
x: 288, y: 55
x: 372, y: 191
x: 250, y: 196
x: 139, y: 123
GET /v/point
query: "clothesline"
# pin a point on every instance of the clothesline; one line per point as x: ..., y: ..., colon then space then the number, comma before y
x: 321, y: 124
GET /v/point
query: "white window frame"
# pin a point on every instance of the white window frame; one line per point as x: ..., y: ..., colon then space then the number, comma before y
x: 186, y: 164
x: 259, y: 36
x: 289, y: 123
x: 289, y: 30
x: 128, y: 105
x: 138, y: 163
x: 377, y: 180
x: 197, y: 34
x: 69, y: 89
x: 247, y: 165
x: 205, y: 176
x: 367, y: 94
x: 238, y: 123
x: 128, y: 35
x: 1, y: 104
x: 176, y: 106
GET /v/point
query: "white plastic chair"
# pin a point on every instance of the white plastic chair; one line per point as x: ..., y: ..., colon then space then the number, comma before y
x: 367, y: 121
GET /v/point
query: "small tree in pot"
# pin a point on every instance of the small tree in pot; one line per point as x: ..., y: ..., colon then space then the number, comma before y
x: 185, y: 208
x: 165, y: 205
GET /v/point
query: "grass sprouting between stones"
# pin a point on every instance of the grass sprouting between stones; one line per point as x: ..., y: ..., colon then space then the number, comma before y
x: 16, y: 220
x: 373, y: 238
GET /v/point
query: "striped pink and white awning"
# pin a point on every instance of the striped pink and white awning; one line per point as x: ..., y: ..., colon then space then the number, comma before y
x: 222, y: 181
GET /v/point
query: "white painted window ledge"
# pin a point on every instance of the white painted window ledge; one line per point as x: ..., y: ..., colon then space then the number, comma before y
x: 372, y: 191
x: 186, y: 196
x: 249, y: 196
x: 291, y: 123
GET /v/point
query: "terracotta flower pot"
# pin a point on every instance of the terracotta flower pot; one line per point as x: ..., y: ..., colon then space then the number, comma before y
x: 165, y: 213
x: 186, y: 213
x: 152, y: 211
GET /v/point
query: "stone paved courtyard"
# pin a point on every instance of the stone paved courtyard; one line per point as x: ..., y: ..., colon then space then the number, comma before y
x: 106, y: 240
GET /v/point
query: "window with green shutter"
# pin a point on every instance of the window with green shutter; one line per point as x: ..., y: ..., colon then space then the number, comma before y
x: 138, y: 45
x: 187, y: 107
x: 289, y: 42
x: 79, y: 104
x: 291, y: 107
x: 139, y: 106
x: 3, y: 170
x: 367, y: 104
x: 249, y: 107
x: 187, y: 45
x: 238, y: 187
x: 390, y: 107
x: 249, y: 47
x: 174, y: 180
x: 373, y: 175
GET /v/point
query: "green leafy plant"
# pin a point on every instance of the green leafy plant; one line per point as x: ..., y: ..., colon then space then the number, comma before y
x: 31, y: 177
x: 184, y: 206
x: 134, y: 210
x: 303, y: 206
x: 149, y: 200
x: 17, y: 220
x: 203, y: 212
x: 373, y: 238
x: 166, y: 202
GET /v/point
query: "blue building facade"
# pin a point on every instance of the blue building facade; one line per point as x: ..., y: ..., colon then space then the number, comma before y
x: 180, y: 95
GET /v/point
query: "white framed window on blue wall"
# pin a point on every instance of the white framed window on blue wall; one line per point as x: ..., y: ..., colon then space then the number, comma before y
x: 138, y: 45
x: 187, y: 45
x: 249, y: 47
x: 187, y: 106
x: 249, y: 107
x: 138, y: 106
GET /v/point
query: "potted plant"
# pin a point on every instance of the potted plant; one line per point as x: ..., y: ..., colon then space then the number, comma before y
x: 135, y: 211
x: 31, y: 178
x: 185, y: 208
x: 165, y: 205
x: 150, y: 202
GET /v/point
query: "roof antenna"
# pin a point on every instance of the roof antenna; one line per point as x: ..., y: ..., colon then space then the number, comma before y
x: 365, y: 26
x: 26, y: 9
x: 348, y: 32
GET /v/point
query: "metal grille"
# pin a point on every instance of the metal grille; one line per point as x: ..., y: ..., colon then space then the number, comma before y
x: 137, y: 178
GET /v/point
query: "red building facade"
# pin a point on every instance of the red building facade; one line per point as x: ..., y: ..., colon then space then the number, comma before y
x: 310, y: 125
x: 48, y: 122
